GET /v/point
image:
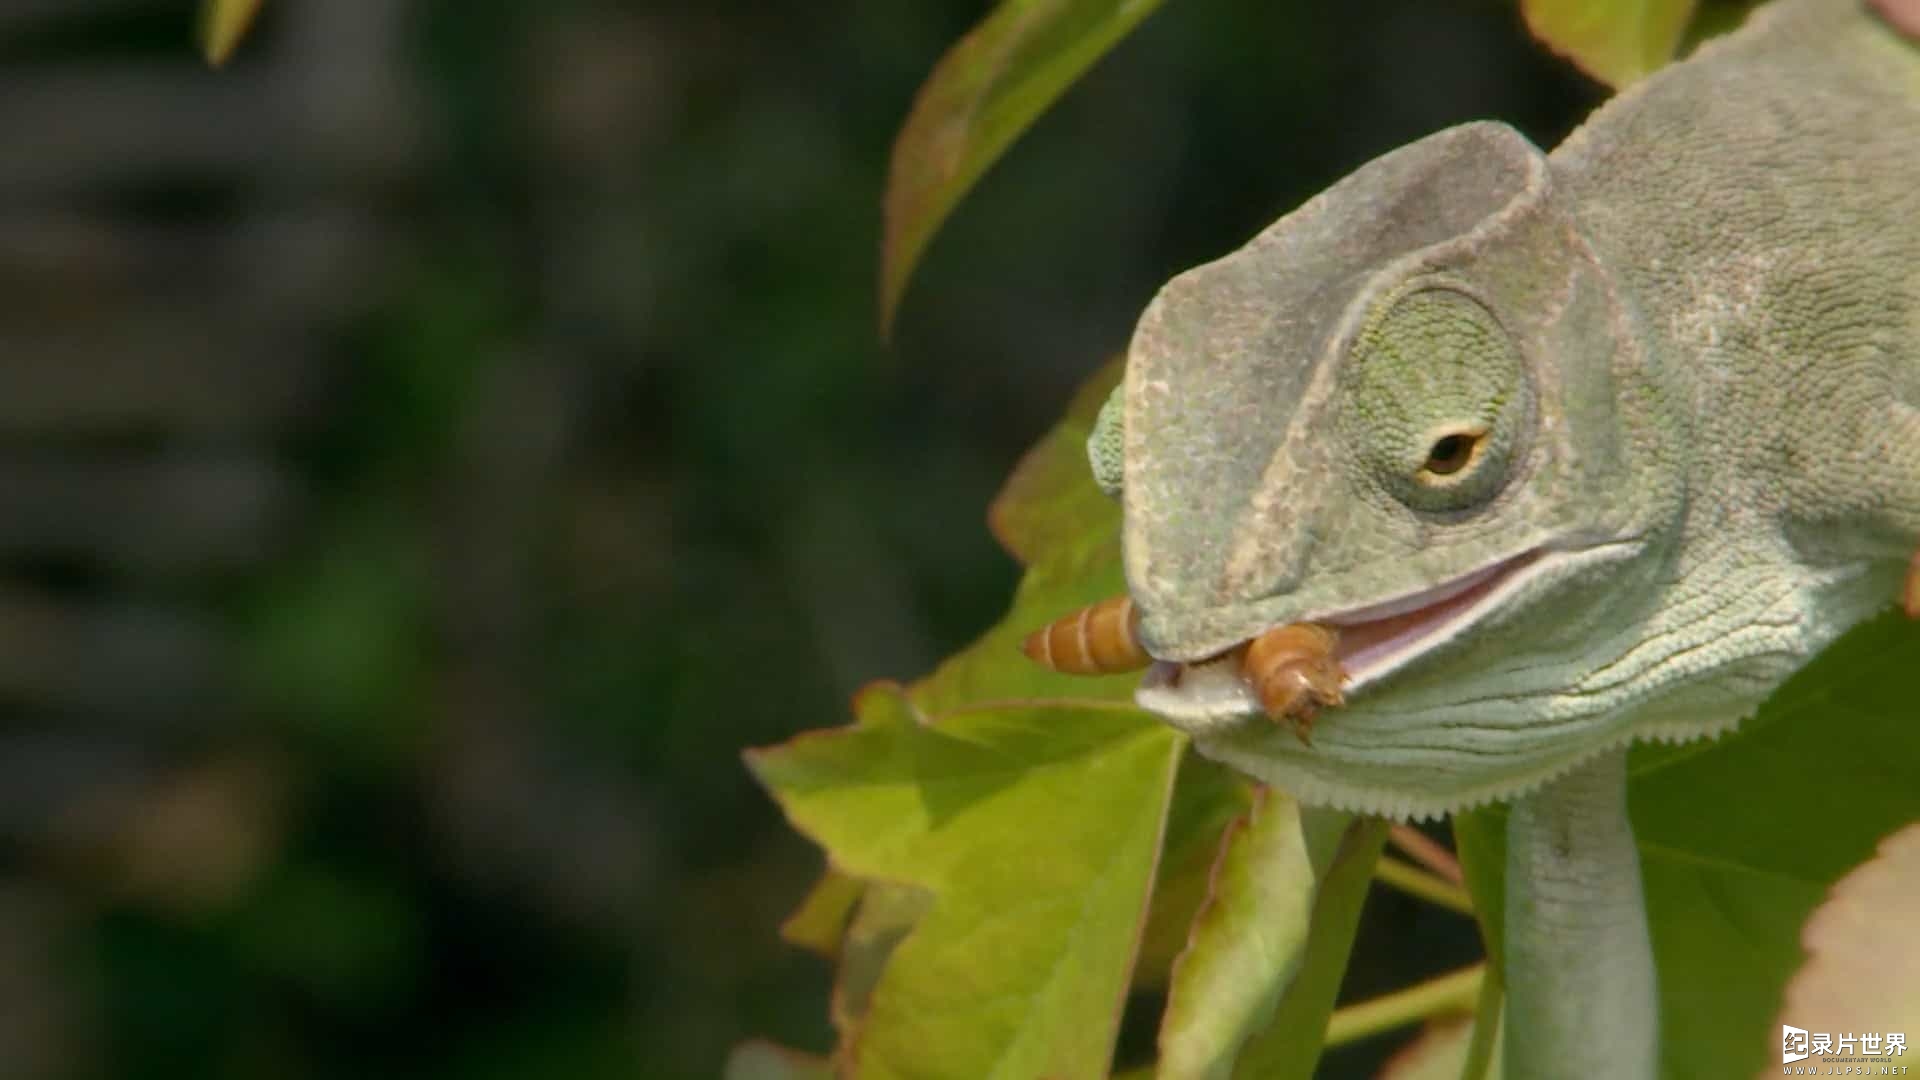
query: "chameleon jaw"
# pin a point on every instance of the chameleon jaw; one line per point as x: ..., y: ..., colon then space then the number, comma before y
x: 1384, y: 759
x: 1374, y: 641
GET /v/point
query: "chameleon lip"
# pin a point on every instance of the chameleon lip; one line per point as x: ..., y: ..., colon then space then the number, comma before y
x: 1426, y: 598
x: 1374, y: 641
x: 1377, y: 639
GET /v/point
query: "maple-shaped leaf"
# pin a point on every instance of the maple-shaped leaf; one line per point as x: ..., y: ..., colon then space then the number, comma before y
x: 1035, y: 831
x: 1051, y: 517
x: 1003, y: 825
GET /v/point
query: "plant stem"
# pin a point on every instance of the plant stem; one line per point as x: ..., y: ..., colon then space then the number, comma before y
x: 1487, y: 1014
x: 1426, y: 851
x: 1454, y: 993
x: 1417, y: 882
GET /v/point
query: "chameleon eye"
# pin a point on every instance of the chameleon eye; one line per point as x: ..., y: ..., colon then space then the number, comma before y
x: 1453, y: 452
x: 1435, y: 401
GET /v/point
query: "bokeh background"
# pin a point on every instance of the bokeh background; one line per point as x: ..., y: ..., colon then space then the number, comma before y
x: 432, y: 447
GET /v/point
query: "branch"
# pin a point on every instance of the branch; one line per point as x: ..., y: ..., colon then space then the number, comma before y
x: 1426, y: 851
x: 1455, y: 993
x: 1417, y: 882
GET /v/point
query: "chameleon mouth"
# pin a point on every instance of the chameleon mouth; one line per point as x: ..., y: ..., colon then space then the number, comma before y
x: 1374, y: 641
x: 1378, y: 640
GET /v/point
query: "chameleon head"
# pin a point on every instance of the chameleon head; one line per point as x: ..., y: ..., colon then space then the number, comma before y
x: 1412, y: 410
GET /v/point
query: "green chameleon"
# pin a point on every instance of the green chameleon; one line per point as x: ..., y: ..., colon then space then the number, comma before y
x: 1574, y: 450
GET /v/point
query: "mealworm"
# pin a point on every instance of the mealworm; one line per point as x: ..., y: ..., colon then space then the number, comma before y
x: 1099, y: 640
x: 1291, y: 669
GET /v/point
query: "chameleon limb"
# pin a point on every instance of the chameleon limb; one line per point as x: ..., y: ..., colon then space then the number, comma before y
x: 1582, y: 999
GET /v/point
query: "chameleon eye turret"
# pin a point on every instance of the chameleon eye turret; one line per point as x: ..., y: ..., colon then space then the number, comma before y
x: 1437, y: 400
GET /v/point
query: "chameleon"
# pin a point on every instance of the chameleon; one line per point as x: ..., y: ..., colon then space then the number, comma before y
x: 1570, y: 449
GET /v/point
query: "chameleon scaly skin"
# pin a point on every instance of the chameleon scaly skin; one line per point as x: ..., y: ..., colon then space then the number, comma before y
x: 1584, y: 964
x: 1574, y: 450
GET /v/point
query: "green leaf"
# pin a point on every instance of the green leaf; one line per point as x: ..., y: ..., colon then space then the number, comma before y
x: 820, y: 922
x: 1740, y: 838
x: 982, y: 95
x: 1049, y: 506
x: 1206, y: 800
x: 1036, y: 830
x: 1480, y: 842
x: 888, y: 913
x: 1712, y: 18
x: 1032, y: 808
x: 1619, y: 41
x: 1482, y: 1060
x: 1290, y: 1046
x: 1863, y: 949
x: 1248, y: 939
x: 222, y: 24
x: 1052, y: 517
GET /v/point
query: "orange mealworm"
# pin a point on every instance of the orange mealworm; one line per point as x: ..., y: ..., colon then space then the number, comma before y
x: 1097, y: 640
x: 1292, y: 671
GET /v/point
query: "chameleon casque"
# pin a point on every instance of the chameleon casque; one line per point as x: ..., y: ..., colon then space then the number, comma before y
x: 1572, y: 449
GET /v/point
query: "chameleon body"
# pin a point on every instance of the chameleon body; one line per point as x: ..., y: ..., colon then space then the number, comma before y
x: 1573, y: 450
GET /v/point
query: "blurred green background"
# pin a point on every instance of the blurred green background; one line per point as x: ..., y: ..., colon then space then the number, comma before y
x: 432, y: 447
